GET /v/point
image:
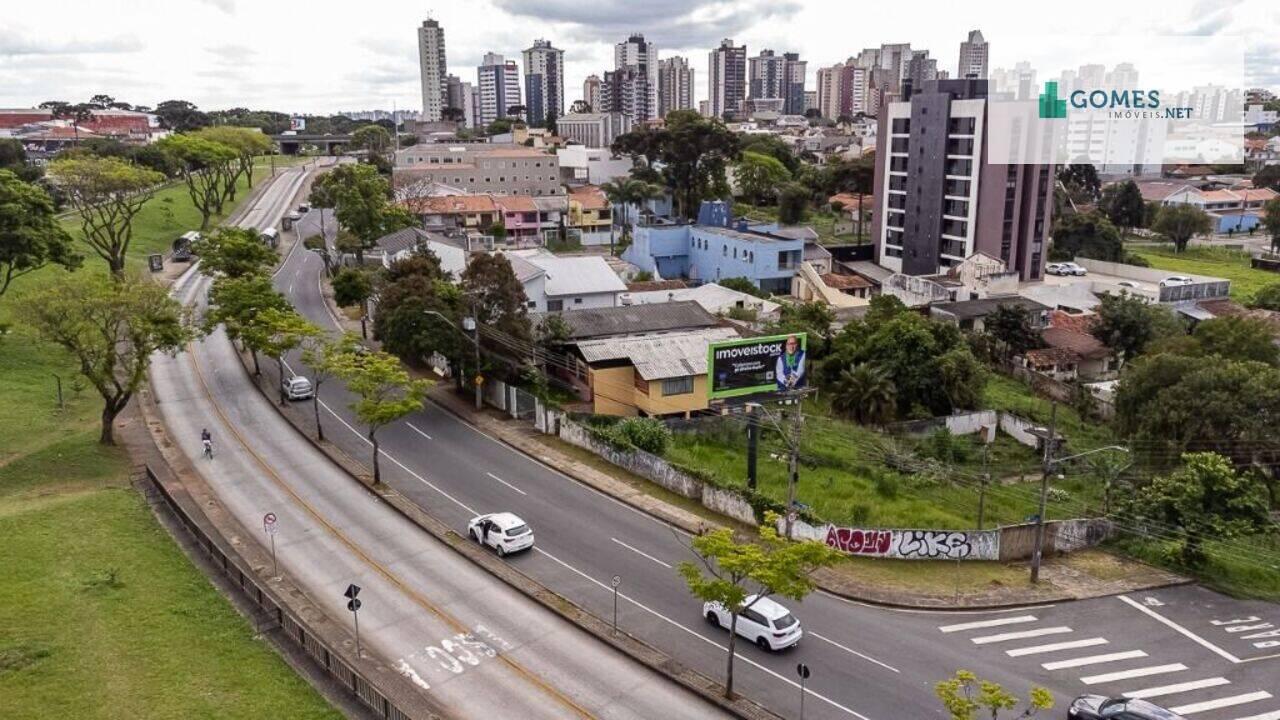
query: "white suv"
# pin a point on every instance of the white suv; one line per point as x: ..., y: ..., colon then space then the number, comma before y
x: 298, y: 388
x: 504, y: 532
x: 764, y: 622
x: 1065, y: 268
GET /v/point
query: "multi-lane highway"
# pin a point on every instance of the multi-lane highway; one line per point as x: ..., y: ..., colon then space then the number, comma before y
x: 479, y: 647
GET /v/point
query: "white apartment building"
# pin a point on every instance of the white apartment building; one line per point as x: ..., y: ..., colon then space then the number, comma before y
x: 726, y: 78
x: 543, y: 82
x: 974, y: 57
x: 498, y: 82
x: 675, y: 85
x: 433, y: 68
x: 631, y: 88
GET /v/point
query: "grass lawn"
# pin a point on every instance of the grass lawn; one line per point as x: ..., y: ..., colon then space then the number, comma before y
x: 101, y: 615
x: 822, y: 221
x: 1217, y: 262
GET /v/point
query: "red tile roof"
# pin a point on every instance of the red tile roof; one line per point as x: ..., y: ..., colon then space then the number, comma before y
x: 515, y: 203
x: 1051, y: 357
x: 590, y: 197
x: 845, y: 282
x: 451, y: 204
x: 1068, y: 321
x: 650, y: 285
x: 1082, y: 344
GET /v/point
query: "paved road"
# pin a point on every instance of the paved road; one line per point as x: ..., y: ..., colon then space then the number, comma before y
x: 867, y: 662
x: 476, y: 645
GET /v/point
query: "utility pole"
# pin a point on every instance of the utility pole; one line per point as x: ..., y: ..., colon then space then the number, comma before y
x: 1046, y: 469
x: 982, y: 489
x: 475, y: 337
x: 797, y: 424
x: 753, y: 442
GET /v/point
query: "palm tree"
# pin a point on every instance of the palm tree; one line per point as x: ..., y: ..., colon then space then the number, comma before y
x: 866, y: 393
x: 628, y: 192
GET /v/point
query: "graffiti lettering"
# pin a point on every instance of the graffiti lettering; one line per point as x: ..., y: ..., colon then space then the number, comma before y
x: 914, y: 544
x: 860, y: 542
x: 928, y: 544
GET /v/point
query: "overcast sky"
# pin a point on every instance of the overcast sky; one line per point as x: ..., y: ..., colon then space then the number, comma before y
x: 323, y: 56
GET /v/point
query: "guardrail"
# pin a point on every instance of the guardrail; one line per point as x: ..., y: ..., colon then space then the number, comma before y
x: 294, y: 628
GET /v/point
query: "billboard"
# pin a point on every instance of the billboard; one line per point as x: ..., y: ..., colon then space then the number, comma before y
x: 745, y: 366
x: 297, y: 123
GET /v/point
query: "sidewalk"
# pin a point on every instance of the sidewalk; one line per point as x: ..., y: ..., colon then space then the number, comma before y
x: 892, y: 583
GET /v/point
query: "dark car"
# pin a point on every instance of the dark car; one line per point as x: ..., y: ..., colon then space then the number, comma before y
x: 1100, y: 707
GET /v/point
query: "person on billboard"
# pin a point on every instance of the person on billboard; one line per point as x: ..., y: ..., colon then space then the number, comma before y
x: 790, y: 370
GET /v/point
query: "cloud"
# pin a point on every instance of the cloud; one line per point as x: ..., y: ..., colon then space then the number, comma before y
x: 385, y: 75
x: 231, y: 52
x: 669, y: 23
x: 13, y: 43
x: 226, y: 6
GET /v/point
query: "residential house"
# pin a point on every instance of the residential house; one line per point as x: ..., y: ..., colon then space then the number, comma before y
x: 1071, y: 355
x: 581, y: 165
x: 469, y: 213
x: 713, y: 298
x: 1235, y: 210
x: 520, y: 216
x: 573, y: 283
x: 590, y: 217
x: 970, y: 314
x: 401, y: 244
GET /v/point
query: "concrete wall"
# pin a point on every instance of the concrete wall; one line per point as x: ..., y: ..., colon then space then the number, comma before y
x: 728, y: 503
x: 1014, y: 542
x: 650, y: 467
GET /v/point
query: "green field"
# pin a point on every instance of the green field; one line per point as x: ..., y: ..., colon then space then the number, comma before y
x: 1217, y: 262
x: 822, y: 221
x: 101, y: 615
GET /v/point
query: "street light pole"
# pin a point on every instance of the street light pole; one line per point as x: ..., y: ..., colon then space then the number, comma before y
x: 1046, y: 468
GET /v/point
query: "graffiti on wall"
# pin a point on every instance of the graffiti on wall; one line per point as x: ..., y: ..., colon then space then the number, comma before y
x: 915, y: 544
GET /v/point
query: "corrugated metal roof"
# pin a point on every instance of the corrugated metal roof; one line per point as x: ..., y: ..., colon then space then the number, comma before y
x: 660, y: 356
x: 577, y: 275
x: 636, y: 319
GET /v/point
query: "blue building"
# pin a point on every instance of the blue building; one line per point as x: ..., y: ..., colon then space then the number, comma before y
x: 717, y: 248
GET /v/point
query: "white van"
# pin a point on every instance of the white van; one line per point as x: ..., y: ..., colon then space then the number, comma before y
x: 297, y: 388
x: 270, y: 237
x: 764, y: 622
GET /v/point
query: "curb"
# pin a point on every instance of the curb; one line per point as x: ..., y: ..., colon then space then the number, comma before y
x: 633, y: 647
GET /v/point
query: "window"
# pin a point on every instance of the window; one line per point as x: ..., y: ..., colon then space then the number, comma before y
x: 532, y: 305
x: 959, y: 167
x: 898, y: 182
x: 958, y: 187
x: 577, y: 301
x: 898, y: 164
x: 678, y: 386
x: 899, y: 145
x: 555, y: 305
x: 960, y: 146
x: 901, y: 125
x: 960, y: 126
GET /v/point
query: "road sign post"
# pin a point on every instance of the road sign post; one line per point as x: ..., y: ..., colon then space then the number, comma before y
x: 803, y: 671
x: 617, y: 580
x: 270, y: 528
x: 353, y: 604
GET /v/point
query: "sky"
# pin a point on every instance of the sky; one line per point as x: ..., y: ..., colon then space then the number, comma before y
x: 325, y: 56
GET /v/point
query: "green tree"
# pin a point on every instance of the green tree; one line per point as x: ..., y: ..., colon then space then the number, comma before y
x: 30, y: 234
x: 743, y: 285
x: 1268, y: 177
x: 180, y: 116
x: 373, y: 139
x: 236, y: 304
x: 234, y: 252
x: 352, y: 286
x: 1010, y: 329
x: 773, y: 146
x: 205, y: 166
x: 1128, y: 323
x: 965, y: 697
x: 361, y: 202
x: 324, y: 355
x: 1180, y: 223
x: 694, y: 152
x: 1237, y: 338
x: 758, y: 177
x: 1088, y: 235
x: 1123, y: 205
x: 384, y: 393
x: 1207, y: 500
x: 111, y: 328
x: 1267, y: 298
x: 1271, y: 221
x: 813, y: 318
x: 248, y: 144
x: 1081, y: 181
x: 628, y: 193
x: 107, y: 193
x: 77, y: 113
x: 497, y: 297
x: 13, y: 157
x: 866, y: 394
x: 731, y: 571
x: 276, y: 332
x: 793, y: 203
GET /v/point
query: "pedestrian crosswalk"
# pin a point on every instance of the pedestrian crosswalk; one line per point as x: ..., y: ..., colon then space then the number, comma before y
x: 1097, y: 666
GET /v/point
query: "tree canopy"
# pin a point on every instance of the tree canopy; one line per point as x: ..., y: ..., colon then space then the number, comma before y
x: 107, y: 193
x: 1123, y: 205
x: 383, y: 391
x: 234, y: 252
x: 1180, y: 223
x: 694, y: 152
x: 361, y: 201
x: 30, y: 234
x: 1128, y: 323
x: 1089, y: 235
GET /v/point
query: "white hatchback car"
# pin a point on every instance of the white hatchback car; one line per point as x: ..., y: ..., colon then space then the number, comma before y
x: 504, y: 532
x: 765, y: 623
x: 1176, y: 280
x: 298, y: 388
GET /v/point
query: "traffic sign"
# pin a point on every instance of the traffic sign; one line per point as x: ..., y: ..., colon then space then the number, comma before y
x: 269, y: 523
x: 479, y: 379
x: 616, y: 581
x: 352, y: 591
x: 353, y: 604
x: 802, y: 670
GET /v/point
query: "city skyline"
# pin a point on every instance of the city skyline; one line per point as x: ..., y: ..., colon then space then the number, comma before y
x: 375, y: 64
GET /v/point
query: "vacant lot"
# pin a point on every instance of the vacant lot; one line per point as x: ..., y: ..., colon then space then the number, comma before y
x: 1217, y: 262
x: 101, y: 616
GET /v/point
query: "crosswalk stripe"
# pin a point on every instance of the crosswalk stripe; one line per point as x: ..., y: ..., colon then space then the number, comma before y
x: 1054, y: 647
x: 1224, y: 702
x: 988, y: 623
x: 1179, y: 688
x: 1093, y: 660
x: 1273, y: 715
x: 1133, y: 673
x: 1023, y: 635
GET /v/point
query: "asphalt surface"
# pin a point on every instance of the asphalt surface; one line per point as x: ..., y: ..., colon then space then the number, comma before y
x: 476, y: 645
x: 867, y: 662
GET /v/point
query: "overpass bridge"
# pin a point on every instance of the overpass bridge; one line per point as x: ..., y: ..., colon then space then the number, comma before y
x: 292, y: 144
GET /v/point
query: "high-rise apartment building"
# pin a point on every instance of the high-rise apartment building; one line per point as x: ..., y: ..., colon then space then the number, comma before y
x: 778, y: 77
x: 938, y: 202
x: 675, y: 85
x: 974, y: 57
x: 921, y: 68
x: 846, y: 90
x: 543, y: 82
x: 726, y: 78
x: 498, y: 86
x: 461, y: 96
x: 591, y: 92
x: 631, y: 88
x: 432, y: 66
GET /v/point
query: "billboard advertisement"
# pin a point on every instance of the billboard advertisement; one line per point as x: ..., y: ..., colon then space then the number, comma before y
x: 298, y: 123
x: 745, y: 366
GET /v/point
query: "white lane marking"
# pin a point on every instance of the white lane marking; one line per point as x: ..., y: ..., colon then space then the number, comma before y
x: 1201, y: 641
x: 709, y: 641
x: 1225, y: 702
x: 641, y: 553
x: 415, y: 429
x: 988, y: 623
x: 1273, y: 715
x: 504, y: 482
x: 1178, y: 688
x: 1133, y: 673
x: 289, y: 291
x: 1093, y: 660
x: 1054, y: 647
x: 1023, y: 635
x: 851, y: 651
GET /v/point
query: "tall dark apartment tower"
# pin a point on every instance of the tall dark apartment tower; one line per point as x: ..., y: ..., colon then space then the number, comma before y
x: 938, y: 200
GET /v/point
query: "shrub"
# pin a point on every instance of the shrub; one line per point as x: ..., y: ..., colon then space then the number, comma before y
x: 886, y: 484
x: 648, y: 434
x: 945, y: 447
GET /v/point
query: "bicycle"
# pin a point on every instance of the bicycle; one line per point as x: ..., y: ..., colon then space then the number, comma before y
x: 208, y: 449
